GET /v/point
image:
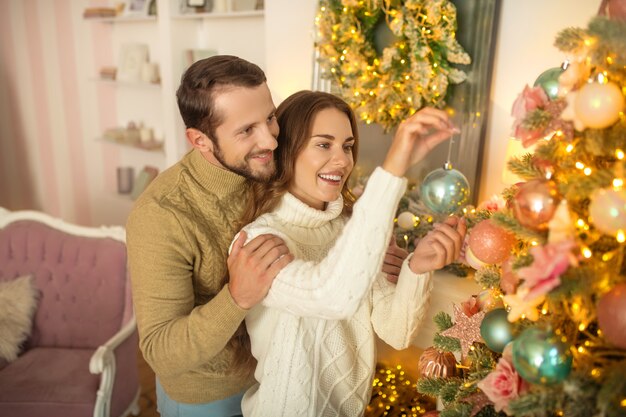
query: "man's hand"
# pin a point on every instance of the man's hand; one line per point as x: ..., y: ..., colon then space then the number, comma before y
x: 253, y: 267
x: 440, y: 247
x: 393, y: 261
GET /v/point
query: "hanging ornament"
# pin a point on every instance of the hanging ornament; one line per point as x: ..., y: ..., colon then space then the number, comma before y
x: 573, y: 77
x: 535, y: 203
x: 549, y: 81
x: 445, y: 190
x: 540, y: 358
x: 598, y: 105
x: 612, y: 315
x: 434, y: 363
x: 407, y: 220
x: 496, y: 330
x: 490, y: 243
x: 466, y: 329
x: 472, y: 260
x: 607, y: 210
x: 489, y: 300
x: 569, y: 112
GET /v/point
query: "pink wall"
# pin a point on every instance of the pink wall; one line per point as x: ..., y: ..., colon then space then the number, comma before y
x: 50, y: 113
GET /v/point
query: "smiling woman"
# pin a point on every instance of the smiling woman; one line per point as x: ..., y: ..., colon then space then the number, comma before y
x: 318, y: 320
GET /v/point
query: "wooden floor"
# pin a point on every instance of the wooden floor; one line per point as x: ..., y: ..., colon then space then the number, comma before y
x: 147, y: 400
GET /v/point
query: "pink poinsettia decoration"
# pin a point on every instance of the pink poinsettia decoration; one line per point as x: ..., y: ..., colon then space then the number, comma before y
x: 503, y: 384
x: 550, y: 261
x: 529, y: 100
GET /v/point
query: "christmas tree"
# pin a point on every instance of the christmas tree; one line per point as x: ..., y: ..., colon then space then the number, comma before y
x: 547, y: 336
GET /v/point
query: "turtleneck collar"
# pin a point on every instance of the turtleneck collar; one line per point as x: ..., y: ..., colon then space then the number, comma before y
x: 297, y: 213
x: 219, y: 181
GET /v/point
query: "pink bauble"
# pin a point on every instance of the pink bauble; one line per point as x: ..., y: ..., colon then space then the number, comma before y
x: 612, y: 315
x: 535, y: 203
x: 472, y: 260
x: 490, y: 243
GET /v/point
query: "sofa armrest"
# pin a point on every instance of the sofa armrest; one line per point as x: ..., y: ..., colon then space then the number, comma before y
x: 103, y: 362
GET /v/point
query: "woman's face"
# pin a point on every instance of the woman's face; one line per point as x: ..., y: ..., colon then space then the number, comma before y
x: 324, y: 164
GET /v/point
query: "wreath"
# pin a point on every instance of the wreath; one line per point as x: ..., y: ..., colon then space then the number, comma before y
x: 414, y: 71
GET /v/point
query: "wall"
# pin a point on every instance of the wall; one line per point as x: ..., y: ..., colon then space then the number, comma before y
x: 50, y: 111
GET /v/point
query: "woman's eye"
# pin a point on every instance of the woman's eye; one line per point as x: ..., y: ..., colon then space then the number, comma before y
x: 323, y: 145
x: 348, y: 147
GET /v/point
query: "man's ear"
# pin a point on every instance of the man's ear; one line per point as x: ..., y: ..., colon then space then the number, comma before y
x: 199, y: 140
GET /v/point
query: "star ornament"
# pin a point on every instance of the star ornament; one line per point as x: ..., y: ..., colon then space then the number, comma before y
x: 466, y: 329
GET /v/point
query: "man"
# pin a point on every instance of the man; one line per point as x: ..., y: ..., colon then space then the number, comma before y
x: 189, y: 302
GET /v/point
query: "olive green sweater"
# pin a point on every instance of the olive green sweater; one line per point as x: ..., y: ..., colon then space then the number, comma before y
x: 178, y: 235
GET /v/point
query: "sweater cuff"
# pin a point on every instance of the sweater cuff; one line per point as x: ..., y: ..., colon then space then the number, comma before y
x: 408, y: 279
x: 230, y: 311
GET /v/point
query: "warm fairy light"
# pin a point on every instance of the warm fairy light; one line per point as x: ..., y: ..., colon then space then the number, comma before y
x: 623, y: 403
x: 586, y: 252
x: 621, y: 238
x: 534, y: 243
x: 619, y: 154
x: 595, y: 372
x: 581, y: 349
x: 569, y: 148
x: 580, y: 165
x: 580, y: 223
x: 618, y: 183
x: 587, y: 171
x: 582, y: 327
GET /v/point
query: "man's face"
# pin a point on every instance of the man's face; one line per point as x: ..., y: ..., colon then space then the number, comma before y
x: 246, y: 139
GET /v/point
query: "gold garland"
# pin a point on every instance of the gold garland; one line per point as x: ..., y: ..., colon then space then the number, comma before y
x: 411, y: 73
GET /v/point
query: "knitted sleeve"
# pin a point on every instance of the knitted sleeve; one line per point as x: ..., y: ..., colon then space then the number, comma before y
x: 334, y: 287
x: 398, y: 309
x: 175, y: 335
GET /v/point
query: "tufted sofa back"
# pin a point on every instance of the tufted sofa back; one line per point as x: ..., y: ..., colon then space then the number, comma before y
x: 82, y: 280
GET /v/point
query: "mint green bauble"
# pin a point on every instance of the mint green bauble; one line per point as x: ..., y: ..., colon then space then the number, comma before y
x: 496, y: 330
x: 549, y: 81
x: 540, y: 357
x: 445, y: 190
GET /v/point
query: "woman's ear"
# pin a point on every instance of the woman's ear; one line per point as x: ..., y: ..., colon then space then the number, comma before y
x: 199, y: 140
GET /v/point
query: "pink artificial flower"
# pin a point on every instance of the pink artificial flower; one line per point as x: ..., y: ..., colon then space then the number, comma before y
x: 495, y: 203
x: 503, y: 384
x: 529, y: 100
x: 549, y: 262
x: 470, y: 307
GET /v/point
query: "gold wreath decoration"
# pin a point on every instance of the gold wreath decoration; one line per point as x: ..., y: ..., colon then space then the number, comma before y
x: 412, y: 72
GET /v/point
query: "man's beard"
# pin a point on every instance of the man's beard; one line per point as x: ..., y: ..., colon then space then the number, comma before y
x: 244, y: 168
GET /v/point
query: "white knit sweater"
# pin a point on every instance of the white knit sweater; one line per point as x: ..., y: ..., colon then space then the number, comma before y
x: 313, y: 335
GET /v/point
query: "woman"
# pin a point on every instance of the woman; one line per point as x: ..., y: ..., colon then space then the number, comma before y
x: 313, y: 335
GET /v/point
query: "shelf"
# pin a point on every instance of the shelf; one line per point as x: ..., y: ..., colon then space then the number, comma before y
x: 225, y: 15
x: 122, y: 19
x: 131, y: 84
x: 150, y: 147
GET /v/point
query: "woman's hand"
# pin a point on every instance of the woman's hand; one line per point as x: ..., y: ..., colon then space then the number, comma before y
x: 394, y: 258
x: 440, y: 247
x: 416, y: 137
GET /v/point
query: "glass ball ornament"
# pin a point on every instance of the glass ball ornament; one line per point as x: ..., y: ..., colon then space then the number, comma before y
x: 407, y: 220
x: 612, y: 315
x: 598, y: 105
x: 496, y: 330
x: 490, y: 243
x: 540, y: 357
x: 472, y: 260
x: 489, y: 300
x: 535, y: 203
x: 445, y: 190
x: 549, y: 81
x: 607, y: 210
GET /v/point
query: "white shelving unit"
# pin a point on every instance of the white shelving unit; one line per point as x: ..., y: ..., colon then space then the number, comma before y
x: 168, y: 35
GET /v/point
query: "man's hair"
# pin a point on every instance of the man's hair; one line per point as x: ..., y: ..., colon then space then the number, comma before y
x: 203, y: 79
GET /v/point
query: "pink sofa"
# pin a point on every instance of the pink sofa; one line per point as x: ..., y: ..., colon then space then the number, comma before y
x: 81, y: 356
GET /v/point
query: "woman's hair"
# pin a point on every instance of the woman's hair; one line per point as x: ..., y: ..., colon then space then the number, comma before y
x: 295, y: 119
x: 203, y: 79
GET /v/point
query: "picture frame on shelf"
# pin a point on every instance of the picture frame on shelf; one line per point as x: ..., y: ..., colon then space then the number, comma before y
x: 136, y: 8
x: 133, y: 56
